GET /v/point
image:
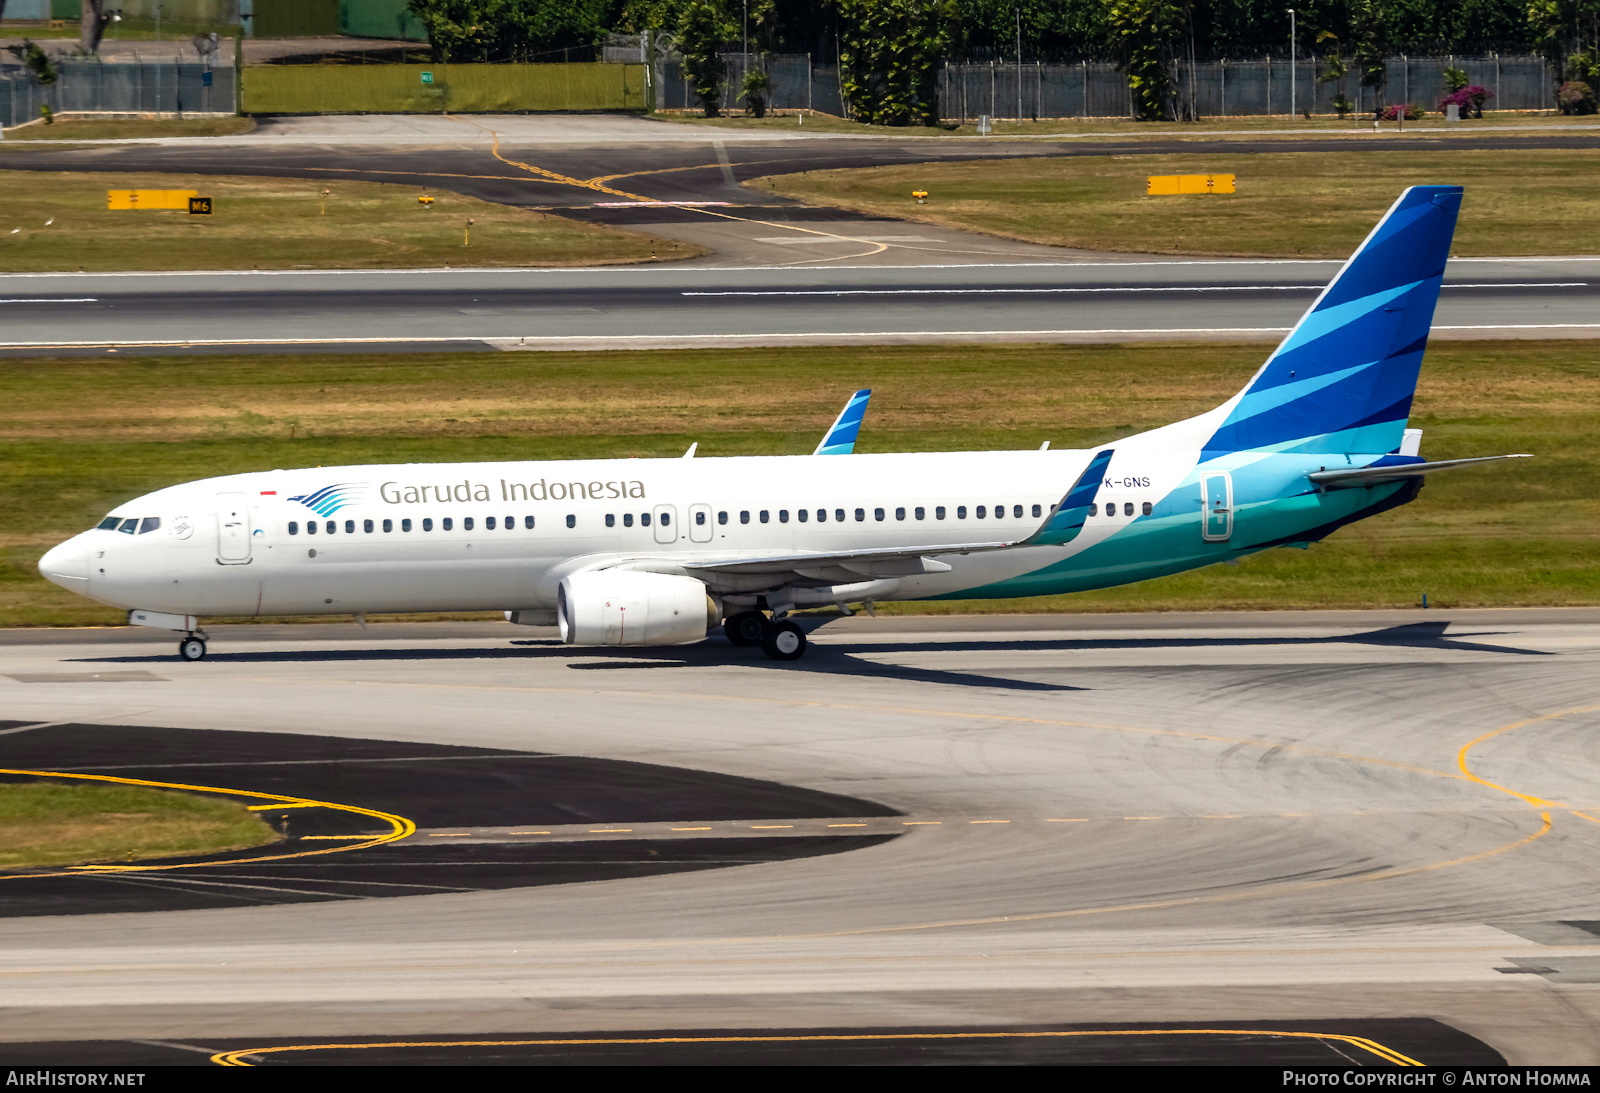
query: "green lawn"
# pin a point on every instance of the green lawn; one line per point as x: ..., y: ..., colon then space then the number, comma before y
x: 1316, y: 204
x: 80, y: 436
x: 73, y: 823
x: 61, y: 222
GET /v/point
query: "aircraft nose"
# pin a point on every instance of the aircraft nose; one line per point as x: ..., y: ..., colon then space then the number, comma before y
x: 67, y: 565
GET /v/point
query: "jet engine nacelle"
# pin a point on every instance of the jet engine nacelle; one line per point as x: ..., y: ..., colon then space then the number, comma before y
x: 625, y: 607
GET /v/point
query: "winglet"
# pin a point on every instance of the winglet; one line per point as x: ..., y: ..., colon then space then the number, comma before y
x: 841, y: 438
x: 1066, y: 521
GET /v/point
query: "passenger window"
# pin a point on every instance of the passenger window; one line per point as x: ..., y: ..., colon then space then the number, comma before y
x: 783, y: 516
x: 763, y: 516
x: 294, y: 527
x: 920, y: 513
x: 961, y: 512
x: 1094, y: 509
x: 447, y: 523
x: 427, y: 523
x: 466, y: 524
x: 900, y: 514
x: 366, y: 526
x: 980, y: 512
x: 1147, y: 509
x: 150, y: 523
x: 804, y: 514
x: 722, y: 517
x: 861, y: 515
x: 822, y: 516
x: 1016, y: 512
x: 527, y: 522
x: 699, y: 519
x: 1037, y: 512
x: 644, y: 519
x: 611, y: 519
x: 938, y: 512
x: 488, y: 523
x: 349, y: 527
x: 311, y: 527
x: 838, y: 514
x: 129, y: 526
x: 572, y: 521
x: 666, y: 518
x: 1127, y: 509
x: 627, y: 519
x: 877, y: 514
x: 744, y: 516
x: 405, y: 525
x: 388, y: 526
x: 333, y: 526
x: 109, y: 523
x: 510, y: 524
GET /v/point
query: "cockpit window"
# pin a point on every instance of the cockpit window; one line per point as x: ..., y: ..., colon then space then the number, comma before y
x: 109, y: 523
x: 129, y: 526
x: 149, y: 524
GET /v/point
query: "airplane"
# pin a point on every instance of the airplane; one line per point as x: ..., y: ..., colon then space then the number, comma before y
x: 661, y: 551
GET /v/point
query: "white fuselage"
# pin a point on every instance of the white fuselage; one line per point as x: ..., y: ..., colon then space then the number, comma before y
x: 501, y: 536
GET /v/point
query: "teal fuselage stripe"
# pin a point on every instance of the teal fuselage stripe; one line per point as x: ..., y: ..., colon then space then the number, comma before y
x: 1170, y: 542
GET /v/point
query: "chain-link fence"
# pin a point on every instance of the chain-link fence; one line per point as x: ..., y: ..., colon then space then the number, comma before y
x: 1093, y: 90
x: 116, y: 88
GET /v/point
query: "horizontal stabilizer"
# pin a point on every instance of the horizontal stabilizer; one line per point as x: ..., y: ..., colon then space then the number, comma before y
x: 1380, y: 472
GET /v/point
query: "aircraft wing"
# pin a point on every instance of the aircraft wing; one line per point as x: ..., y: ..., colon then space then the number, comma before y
x: 857, y: 564
x: 841, y: 437
x: 1402, y: 467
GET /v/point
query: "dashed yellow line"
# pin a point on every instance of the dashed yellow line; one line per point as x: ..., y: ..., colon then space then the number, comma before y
x: 1387, y: 1054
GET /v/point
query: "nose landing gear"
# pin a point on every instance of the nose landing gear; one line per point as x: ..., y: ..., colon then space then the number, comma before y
x: 192, y: 647
x: 780, y: 639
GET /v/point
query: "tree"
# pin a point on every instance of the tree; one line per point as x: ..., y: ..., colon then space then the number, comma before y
x: 701, y: 30
x: 93, y: 25
x: 1146, y: 34
x: 1369, y: 31
x: 889, y: 51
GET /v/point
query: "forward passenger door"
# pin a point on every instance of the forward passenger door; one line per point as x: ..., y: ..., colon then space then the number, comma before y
x: 666, y: 524
x: 233, y: 528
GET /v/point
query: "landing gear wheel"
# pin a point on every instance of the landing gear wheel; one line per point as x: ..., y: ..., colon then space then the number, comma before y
x: 784, y: 641
x: 192, y: 648
x: 745, y: 628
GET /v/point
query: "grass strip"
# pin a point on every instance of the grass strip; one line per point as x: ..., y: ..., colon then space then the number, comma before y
x: 58, y: 221
x: 1313, y: 204
x: 50, y: 824
x: 78, y: 436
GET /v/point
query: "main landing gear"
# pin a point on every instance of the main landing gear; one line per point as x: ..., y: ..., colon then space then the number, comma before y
x: 192, y: 647
x: 780, y: 639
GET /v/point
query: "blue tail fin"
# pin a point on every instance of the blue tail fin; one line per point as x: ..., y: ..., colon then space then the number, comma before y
x: 1342, y: 381
x: 841, y: 438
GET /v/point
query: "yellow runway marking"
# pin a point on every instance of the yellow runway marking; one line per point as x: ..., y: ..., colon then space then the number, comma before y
x: 610, y: 830
x: 830, y: 825
x: 921, y: 823
x: 691, y: 829
x: 988, y: 821
x: 400, y: 826
x: 529, y: 832
x: 769, y: 827
x: 303, y: 838
x: 1387, y: 1054
x: 290, y: 804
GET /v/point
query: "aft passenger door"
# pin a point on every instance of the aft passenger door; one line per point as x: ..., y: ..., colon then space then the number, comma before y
x: 700, y: 523
x: 666, y: 524
x: 1216, y: 493
x: 233, y: 528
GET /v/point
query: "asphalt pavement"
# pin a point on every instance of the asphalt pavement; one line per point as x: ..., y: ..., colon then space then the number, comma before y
x: 1365, y: 824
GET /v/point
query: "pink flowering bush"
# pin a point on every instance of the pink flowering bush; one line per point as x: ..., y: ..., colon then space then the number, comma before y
x: 1469, y: 99
x: 1413, y: 112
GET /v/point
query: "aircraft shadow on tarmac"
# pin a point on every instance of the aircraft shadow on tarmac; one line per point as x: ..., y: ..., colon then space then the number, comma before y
x: 849, y: 659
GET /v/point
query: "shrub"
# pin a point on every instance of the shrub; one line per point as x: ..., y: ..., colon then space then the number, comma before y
x: 1469, y: 99
x: 1412, y: 112
x: 757, y: 86
x: 1455, y: 79
x: 1342, y: 105
x: 1576, y: 97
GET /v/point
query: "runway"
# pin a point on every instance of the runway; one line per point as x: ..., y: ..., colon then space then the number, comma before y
x: 1280, y: 821
x: 837, y: 303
